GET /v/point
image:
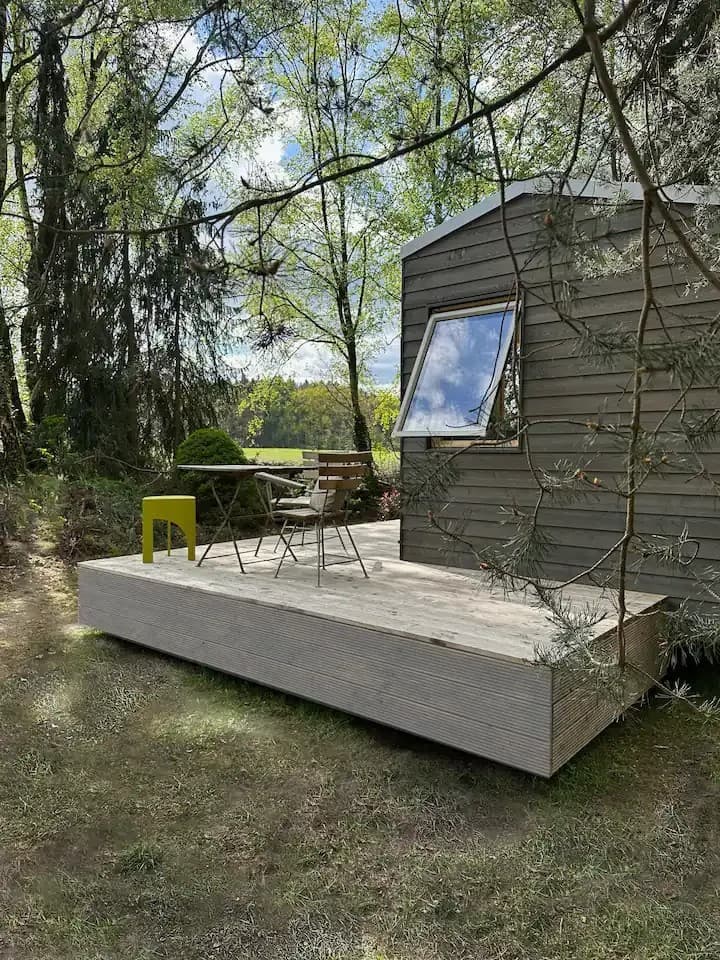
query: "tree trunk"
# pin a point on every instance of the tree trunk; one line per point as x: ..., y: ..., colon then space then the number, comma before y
x: 132, y: 353
x: 361, y: 433
x: 28, y: 328
x: 48, y: 271
x: 177, y: 371
x: 12, y: 416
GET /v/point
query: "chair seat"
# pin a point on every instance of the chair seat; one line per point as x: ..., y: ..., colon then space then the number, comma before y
x: 303, y: 513
x: 290, y: 503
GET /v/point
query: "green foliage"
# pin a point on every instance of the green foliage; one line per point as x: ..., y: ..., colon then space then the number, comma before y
x: 99, y: 518
x: 386, y: 410
x: 49, y: 444
x: 213, y: 446
x: 17, y: 512
x: 277, y: 412
x: 691, y: 636
x: 84, y: 518
x: 209, y: 445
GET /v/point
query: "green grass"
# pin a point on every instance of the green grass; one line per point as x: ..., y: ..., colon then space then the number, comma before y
x: 151, y: 809
x: 274, y: 454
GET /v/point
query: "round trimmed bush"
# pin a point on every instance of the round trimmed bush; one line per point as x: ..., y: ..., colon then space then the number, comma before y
x: 210, y: 446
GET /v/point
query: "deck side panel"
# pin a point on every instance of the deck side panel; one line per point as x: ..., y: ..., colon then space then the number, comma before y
x: 495, y: 708
x: 581, y: 711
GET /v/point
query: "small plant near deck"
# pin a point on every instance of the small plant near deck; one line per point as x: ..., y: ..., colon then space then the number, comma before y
x: 389, y: 504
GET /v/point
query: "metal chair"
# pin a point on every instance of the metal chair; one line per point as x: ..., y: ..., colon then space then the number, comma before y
x: 274, y: 487
x: 339, y: 474
x: 276, y: 504
x: 303, y: 488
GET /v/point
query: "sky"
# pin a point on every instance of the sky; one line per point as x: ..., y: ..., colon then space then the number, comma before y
x: 311, y: 361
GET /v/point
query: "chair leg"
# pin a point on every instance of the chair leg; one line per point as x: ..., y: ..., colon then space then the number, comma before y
x: 354, y: 546
x: 290, y: 549
x: 266, y: 530
x: 285, y: 551
x: 280, y: 537
x: 342, y: 542
x: 320, y: 555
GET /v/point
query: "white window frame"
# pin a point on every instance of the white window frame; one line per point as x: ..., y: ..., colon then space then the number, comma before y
x: 510, y: 307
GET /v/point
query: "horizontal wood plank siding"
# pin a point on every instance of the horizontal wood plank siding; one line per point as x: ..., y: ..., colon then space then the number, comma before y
x: 558, y: 387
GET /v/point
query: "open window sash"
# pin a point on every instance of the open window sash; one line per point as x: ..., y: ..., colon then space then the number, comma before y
x: 458, y: 372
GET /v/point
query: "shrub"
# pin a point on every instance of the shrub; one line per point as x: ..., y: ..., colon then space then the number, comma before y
x: 210, y: 446
x: 48, y: 445
x: 101, y: 518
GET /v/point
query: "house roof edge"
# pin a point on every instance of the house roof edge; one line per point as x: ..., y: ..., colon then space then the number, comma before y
x: 589, y: 189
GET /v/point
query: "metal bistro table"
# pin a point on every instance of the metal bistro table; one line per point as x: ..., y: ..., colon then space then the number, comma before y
x: 241, y: 472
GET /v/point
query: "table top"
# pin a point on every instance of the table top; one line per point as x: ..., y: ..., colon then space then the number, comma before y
x: 244, y: 469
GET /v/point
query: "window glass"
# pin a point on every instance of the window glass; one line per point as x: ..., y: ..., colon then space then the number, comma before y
x: 457, y: 375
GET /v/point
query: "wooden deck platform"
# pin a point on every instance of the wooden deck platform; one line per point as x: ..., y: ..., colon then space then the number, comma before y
x: 426, y: 649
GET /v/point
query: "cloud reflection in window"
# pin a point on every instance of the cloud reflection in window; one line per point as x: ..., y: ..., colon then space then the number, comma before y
x: 460, y: 374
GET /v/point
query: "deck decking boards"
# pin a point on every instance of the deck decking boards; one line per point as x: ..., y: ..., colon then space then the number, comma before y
x: 426, y: 649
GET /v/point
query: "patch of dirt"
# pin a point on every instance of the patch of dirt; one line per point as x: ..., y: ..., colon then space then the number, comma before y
x: 37, y: 603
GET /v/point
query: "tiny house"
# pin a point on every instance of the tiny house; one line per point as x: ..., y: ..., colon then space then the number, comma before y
x: 517, y: 356
x: 500, y: 305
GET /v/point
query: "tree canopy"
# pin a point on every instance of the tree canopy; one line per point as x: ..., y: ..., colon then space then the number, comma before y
x: 146, y: 244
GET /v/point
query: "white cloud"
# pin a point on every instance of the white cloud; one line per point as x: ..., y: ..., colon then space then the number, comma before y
x: 311, y: 361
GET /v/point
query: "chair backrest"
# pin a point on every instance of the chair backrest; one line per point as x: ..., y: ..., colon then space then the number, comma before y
x: 339, y: 473
x: 310, y: 462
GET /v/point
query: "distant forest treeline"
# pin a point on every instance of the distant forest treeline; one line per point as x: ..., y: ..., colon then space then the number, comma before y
x: 277, y: 412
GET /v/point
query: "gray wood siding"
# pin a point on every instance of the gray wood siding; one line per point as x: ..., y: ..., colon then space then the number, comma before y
x: 472, y: 264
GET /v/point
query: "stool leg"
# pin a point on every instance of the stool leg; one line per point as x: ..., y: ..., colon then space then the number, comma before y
x: 189, y: 531
x: 147, y: 538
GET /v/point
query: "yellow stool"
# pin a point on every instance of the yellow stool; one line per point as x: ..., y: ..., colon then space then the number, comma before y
x: 178, y: 510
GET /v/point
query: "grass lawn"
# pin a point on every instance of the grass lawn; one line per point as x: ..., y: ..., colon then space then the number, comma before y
x: 274, y: 454
x: 149, y: 809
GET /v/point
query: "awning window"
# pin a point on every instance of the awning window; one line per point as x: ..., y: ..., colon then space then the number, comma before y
x: 458, y: 372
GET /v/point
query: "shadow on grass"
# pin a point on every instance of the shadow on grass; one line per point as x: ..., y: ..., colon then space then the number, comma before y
x: 155, y: 809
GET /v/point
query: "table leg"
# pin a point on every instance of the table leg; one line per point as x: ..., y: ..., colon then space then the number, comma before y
x: 225, y: 523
